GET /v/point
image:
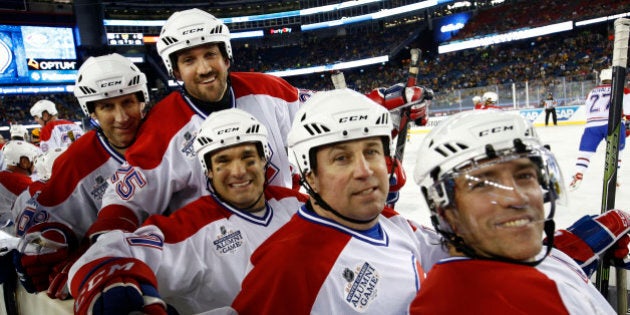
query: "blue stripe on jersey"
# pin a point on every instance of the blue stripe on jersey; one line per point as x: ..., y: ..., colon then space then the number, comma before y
x: 379, y: 239
x: 264, y: 220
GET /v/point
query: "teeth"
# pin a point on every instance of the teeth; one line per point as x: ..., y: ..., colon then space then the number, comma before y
x: 516, y: 223
x: 240, y: 185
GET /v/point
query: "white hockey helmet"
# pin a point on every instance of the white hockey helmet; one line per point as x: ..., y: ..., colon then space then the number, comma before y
x: 227, y: 128
x: 44, y: 162
x: 336, y: 116
x: 471, y: 140
x: 190, y: 28
x: 605, y: 75
x: 491, y: 97
x: 14, y: 150
x: 108, y: 76
x: 42, y: 106
x: 18, y: 132
x: 476, y: 99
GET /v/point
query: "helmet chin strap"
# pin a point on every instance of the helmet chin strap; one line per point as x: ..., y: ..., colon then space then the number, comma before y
x: 324, y: 205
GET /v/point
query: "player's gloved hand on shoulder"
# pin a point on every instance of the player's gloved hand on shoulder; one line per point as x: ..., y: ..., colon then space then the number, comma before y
x: 592, y: 236
x: 117, y: 286
x: 397, y: 180
x: 43, y: 246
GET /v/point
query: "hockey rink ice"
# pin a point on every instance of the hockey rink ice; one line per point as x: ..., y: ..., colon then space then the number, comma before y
x: 564, y: 142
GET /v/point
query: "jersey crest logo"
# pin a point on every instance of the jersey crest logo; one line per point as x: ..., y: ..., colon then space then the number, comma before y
x: 228, y: 242
x: 187, y: 147
x: 98, y: 189
x: 361, y: 287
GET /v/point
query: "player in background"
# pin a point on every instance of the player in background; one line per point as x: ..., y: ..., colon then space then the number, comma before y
x: 19, y: 157
x: 19, y: 132
x: 596, y: 107
x: 35, y: 136
x: 550, y: 109
x: 55, y: 132
x: 487, y: 199
x: 477, y: 104
x: 113, y: 92
x: 162, y: 173
x: 195, y: 259
x: 489, y: 100
x: 348, y: 252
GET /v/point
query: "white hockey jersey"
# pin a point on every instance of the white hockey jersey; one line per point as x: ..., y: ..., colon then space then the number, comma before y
x: 163, y: 174
x: 598, y: 103
x: 313, y: 265
x: 59, y: 133
x: 73, y: 195
x: 200, y: 253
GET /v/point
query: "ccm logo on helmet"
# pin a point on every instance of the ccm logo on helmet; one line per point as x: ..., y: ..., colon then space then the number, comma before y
x: 111, y: 83
x: 352, y: 118
x: 495, y: 130
x: 194, y: 30
x: 227, y: 130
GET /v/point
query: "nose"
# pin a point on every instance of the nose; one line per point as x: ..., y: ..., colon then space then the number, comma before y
x: 237, y: 168
x: 121, y: 114
x: 204, y: 67
x: 509, y: 195
x: 362, y: 167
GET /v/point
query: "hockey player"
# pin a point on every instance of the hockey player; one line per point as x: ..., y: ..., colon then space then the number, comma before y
x: 55, y: 132
x: 489, y: 100
x: 477, y: 104
x: 19, y: 157
x: 35, y: 136
x: 348, y: 253
x: 113, y: 92
x: 19, y: 132
x: 597, y: 106
x: 195, y: 259
x: 550, y: 109
x: 161, y: 173
x: 486, y: 196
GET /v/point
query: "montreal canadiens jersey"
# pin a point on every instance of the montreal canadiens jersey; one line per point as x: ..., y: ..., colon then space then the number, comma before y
x: 313, y: 265
x: 11, y: 185
x: 200, y: 253
x: 555, y: 286
x: 162, y: 172
x: 598, y: 103
x: 59, y: 133
x: 74, y: 192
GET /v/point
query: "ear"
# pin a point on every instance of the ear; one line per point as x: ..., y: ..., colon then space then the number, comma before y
x: 312, y: 181
x: 177, y: 75
x: 452, y: 218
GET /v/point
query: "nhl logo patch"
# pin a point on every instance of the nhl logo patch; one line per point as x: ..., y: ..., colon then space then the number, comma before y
x: 228, y: 241
x: 361, y: 287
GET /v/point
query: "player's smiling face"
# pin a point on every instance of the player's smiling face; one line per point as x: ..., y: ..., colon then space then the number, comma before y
x: 238, y: 177
x: 204, y: 71
x: 500, y: 210
x: 352, y: 178
x: 119, y: 118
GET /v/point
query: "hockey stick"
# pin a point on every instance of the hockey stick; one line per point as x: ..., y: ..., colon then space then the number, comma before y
x: 620, y: 61
x: 406, y: 111
x: 338, y: 80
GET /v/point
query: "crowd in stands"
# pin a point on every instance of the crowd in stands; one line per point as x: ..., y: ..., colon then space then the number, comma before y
x: 575, y: 55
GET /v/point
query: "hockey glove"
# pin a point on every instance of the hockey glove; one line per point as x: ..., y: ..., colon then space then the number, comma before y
x: 588, y: 238
x: 397, y: 180
x: 43, y: 246
x: 398, y: 96
x: 58, y: 288
x: 117, y: 286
